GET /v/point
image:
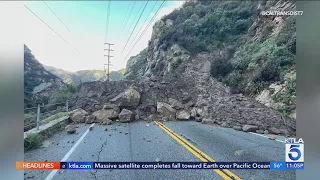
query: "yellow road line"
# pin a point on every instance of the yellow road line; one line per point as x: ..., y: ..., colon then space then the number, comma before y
x: 200, y: 152
x: 195, y: 151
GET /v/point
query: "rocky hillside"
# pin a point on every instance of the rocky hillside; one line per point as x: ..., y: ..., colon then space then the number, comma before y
x: 82, y: 76
x: 136, y: 65
x: 217, y: 62
x: 38, y: 82
x: 250, y: 53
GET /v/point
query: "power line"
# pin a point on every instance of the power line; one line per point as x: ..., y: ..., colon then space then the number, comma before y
x: 127, y: 19
x: 60, y: 20
x: 127, y: 13
x: 125, y: 23
x: 134, y: 19
x: 143, y: 21
x: 135, y: 26
x: 51, y: 28
x: 161, y: 6
x: 107, y: 21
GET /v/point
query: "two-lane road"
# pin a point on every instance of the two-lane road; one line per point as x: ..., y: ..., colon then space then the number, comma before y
x: 174, y: 141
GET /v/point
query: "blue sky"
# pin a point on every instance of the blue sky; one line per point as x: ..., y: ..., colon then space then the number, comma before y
x: 87, y: 21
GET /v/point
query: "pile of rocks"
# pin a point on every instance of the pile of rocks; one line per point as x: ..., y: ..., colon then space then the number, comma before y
x: 200, y: 98
x: 175, y: 110
x: 120, y: 108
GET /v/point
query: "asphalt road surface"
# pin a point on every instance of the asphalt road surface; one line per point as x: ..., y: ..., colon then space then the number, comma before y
x: 146, y: 142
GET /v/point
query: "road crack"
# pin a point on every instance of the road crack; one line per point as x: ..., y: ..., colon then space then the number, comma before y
x: 101, y: 149
x: 94, y: 174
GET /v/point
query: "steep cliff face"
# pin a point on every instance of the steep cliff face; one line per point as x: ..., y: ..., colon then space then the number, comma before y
x: 136, y: 65
x: 38, y: 82
x: 224, y: 58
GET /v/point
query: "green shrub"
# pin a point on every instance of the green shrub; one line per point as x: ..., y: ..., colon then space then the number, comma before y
x: 233, y: 79
x: 220, y: 68
x: 241, y: 25
x: 192, y: 44
x: 282, y: 109
x: 291, y: 85
x: 30, y: 120
x: 173, y: 15
x: 266, y: 31
x: 240, y: 63
x: 252, y: 66
x: 32, y: 141
x: 244, y: 56
x: 70, y: 88
x: 254, y: 87
x: 287, y: 96
x: 271, y: 71
x: 199, y: 24
x: 287, y: 34
x: 266, y: 56
x: 61, y: 97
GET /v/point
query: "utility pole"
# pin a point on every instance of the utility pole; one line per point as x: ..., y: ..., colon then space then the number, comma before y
x: 104, y: 70
x: 108, y: 55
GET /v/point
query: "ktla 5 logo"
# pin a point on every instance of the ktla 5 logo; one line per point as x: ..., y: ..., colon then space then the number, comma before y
x: 294, y: 150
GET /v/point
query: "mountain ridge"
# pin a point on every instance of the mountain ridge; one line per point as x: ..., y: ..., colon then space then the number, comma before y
x: 82, y: 76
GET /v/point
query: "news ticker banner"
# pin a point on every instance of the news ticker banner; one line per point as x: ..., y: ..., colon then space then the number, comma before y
x: 159, y: 165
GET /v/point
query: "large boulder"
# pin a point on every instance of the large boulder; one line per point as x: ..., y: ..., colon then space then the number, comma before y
x: 183, y: 115
x: 166, y: 110
x: 152, y: 117
x: 130, y: 98
x: 193, y: 112
x: 175, y: 104
x: 111, y: 106
x: 249, y: 128
x: 97, y: 107
x: 199, y: 112
x: 71, y: 129
x: 196, y: 112
x: 238, y: 128
x: 189, y: 104
x: 207, y: 121
x: 90, y: 119
x: 198, y: 119
x: 78, y: 115
x: 106, y: 122
x: 104, y: 114
x: 138, y: 114
x: 126, y: 116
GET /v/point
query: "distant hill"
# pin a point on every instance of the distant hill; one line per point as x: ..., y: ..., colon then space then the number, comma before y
x: 77, y: 77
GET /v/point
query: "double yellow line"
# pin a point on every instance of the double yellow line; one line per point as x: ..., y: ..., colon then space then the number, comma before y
x: 224, y: 173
